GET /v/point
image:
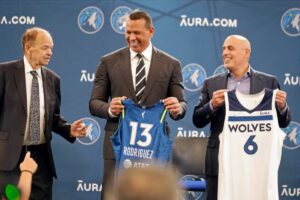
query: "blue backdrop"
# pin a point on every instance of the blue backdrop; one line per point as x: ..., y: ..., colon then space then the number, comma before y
x: 193, y: 31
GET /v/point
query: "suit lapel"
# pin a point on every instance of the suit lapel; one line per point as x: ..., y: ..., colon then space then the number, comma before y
x: 21, y: 83
x: 125, y: 70
x: 255, y: 85
x: 155, y: 66
x: 222, y: 80
x: 47, y: 89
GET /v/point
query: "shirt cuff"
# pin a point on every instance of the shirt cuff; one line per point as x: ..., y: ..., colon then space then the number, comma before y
x: 211, y: 107
x: 110, y: 114
x: 283, y: 110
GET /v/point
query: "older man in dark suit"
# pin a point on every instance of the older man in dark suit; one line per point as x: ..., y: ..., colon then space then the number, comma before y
x: 29, y: 111
x: 211, y: 109
x: 119, y: 76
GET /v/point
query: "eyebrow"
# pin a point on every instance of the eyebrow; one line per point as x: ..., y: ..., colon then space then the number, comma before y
x: 229, y: 46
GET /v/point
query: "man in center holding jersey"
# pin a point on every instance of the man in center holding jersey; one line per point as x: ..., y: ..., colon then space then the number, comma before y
x: 117, y: 79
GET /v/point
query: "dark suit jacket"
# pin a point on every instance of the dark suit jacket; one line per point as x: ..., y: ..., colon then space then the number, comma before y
x: 203, y: 115
x: 13, y: 112
x: 114, y: 79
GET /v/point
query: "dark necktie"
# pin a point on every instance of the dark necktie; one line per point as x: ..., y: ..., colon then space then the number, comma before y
x: 34, y: 115
x: 140, y: 78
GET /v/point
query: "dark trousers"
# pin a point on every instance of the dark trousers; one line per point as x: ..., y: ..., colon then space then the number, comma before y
x: 42, y: 180
x: 108, y: 179
x: 8, y: 177
x: 211, y: 187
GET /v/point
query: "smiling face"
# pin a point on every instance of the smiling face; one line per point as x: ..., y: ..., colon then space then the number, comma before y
x: 138, y: 35
x: 39, y: 51
x: 236, y: 53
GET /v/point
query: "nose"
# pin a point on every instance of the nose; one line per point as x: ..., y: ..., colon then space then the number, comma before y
x: 49, y: 52
x: 132, y: 37
x: 225, y: 51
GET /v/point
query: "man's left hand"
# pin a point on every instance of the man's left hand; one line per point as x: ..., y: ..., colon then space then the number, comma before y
x: 78, y: 129
x: 173, y: 106
x: 280, y: 99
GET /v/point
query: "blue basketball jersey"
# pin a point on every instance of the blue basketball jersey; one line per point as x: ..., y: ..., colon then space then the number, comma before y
x: 250, y: 147
x: 141, y: 138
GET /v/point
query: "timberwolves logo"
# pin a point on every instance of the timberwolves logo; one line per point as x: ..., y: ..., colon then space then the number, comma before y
x: 93, y: 132
x: 193, y: 77
x: 127, y: 163
x: 90, y: 20
x: 220, y: 70
x: 292, y: 139
x: 191, y: 195
x: 290, y: 22
x: 118, y: 18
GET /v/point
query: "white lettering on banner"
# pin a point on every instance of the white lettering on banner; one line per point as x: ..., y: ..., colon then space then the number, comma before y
x: 87, y: 77
x: 88, y: 187
x: 291, y: 80
x: 189, y: 133
x: 205, y: 22
x: 16, y: 20
x: 287, y: 191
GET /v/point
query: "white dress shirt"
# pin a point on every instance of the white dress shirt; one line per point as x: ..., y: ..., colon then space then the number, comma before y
x: 28, y: 79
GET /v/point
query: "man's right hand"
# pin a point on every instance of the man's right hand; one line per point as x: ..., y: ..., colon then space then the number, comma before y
x: 218, y: 99
x: 116, y: 106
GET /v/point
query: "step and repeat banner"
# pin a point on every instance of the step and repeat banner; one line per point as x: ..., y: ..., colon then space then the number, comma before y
x: 192, y: 31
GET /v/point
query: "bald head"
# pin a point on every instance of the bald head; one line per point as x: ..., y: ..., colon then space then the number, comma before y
x: 236, y: 54
x: 240, y: 40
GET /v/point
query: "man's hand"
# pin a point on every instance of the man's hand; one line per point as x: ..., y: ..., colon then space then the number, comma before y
x: 78, y: 128
x: 173, y: 106
x: 218, y: 99
x: 280, y: 99
x: 116, y: 106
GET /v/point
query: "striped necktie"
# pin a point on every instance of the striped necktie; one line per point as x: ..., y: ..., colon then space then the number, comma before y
x: 140, y: 78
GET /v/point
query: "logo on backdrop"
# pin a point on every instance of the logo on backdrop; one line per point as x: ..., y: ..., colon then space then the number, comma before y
x: 87, y: 76
x: 118, y: 18
x: 220, y: 70
x: 17, y: 20
x: 83, y: 186
x: 90, y: 20
x: 290, y: 191
x: 290, y: 22
x: 93, y: 132
x: 187, y: 21
x: 190, y: 195
x: 292, y: 139
x: 291, y: 79
x: 193, y: 77
x: 181, y: 132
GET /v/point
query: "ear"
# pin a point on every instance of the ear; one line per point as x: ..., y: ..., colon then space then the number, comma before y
x: 27, y: 46
x: 152, y: 30
x: 248, y: 51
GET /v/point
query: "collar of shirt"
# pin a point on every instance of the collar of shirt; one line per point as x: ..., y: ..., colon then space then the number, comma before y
x: 247, y: 75
x: 147, y: 53
x: 28, y: 67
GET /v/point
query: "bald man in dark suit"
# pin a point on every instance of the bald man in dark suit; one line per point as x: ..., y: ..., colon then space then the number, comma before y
x: 211, y: 108
x: 16, y: 126
x: 115, y: 81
